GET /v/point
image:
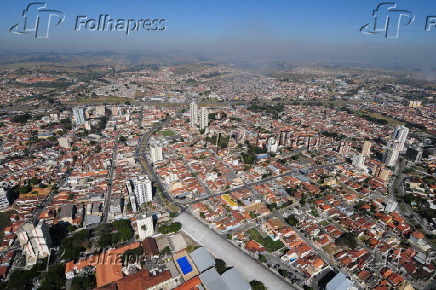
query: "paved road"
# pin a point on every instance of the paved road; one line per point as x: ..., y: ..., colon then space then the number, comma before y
x: 110, y: 180
x: 264, y: 180
x: 406, y: 210
x: 249, y: 268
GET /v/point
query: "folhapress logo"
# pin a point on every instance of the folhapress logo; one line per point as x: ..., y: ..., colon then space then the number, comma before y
x: 38, y: 20
x: 388, y: 20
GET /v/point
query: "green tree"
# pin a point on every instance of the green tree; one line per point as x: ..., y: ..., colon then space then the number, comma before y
x: 124, y: 228
x: 220, y: 266
x: 24, y: 189
x: 54, y: 278
x: 257, y: 285
x: 83, y: 282
x: 292, y: 220
x: 347, y: 240
x: 262, y: 258
x: 34, y: 180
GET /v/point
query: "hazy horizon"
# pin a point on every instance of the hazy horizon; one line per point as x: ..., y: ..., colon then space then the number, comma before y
x: 295, y: 31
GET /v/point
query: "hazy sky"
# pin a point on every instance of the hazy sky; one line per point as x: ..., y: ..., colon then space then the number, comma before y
x: 305, y: 30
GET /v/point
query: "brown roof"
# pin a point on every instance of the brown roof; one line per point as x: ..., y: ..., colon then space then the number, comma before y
x: 190, y: 285
x: 142, y: 280
x: 418, y: 235
x: 150, y: 247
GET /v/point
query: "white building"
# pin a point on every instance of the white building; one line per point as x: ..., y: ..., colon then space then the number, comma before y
x: 35, y: 241
x: 415, y: 104
x: 391, y: 156
x: 145, y: 227
x: 156, y: 153
x: 391, y: 206
x: 65, y: 142
x: 194, y: 114
x: 132, y: 196
x: 4, y: 202
x: 100, y: 110
x: 272, y: 144
x: 204, y: 118
x: 116, y: 207
x: 79, y: 115
x: 399, y: 137
x: 366, y: 150
x: 140, y: 191
x: 358, y: 161
x: 396, y: 145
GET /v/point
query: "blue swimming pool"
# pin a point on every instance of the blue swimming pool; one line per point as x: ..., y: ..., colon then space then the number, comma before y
x: 184, y: 265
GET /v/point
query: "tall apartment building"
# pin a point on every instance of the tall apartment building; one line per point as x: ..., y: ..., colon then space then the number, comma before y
x: 4, y: 202
x: 204, y: 118
x: 156, y: 153
x: 344, y: 148
x: 79, y: 115
x: 194, y: 114
x: 140, y: 191
x: 272, y: 145
x: 399, y: 137
x: 239, y: 135
x: 366, y: 149
x: 415, y: 104
x: 145, y: 227
x: 35, y: 241
x: 396, y: 145
x: 358, y: 161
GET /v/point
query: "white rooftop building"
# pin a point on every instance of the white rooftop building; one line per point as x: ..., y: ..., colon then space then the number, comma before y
x: 145, y: 227
x: 35, y: 241
x: 4, y: 202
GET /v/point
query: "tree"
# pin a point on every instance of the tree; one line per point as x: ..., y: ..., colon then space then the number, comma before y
x: 72, y: 247
x: 83, y: 282
x: 171, y: 228
x: 262, y: 258
x: 283, y: 273
x: 24, y: 189
x: 292, y: 220
x: 303, y: 200
x: 34, y: 180
x: 54, y: 278
x: 124, y: 228
x: 257, y: 285
x: 347, y: 240
x: 220, y: 266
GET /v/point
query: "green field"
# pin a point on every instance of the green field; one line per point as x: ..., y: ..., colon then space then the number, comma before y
x: 391, y: 121
x: 167, y: 133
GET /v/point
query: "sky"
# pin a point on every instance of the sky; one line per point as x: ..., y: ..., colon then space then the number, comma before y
x: 304, y: 30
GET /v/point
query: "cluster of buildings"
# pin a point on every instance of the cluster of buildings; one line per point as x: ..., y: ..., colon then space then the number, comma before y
x: 291, y: 185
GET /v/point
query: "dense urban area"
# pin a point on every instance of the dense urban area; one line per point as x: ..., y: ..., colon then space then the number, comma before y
x: 216, y: 176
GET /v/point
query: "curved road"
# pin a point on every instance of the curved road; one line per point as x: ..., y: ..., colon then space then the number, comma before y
x: 249, y: 268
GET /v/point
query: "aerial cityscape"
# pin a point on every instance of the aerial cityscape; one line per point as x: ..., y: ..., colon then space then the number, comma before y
x: 197, y: 169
